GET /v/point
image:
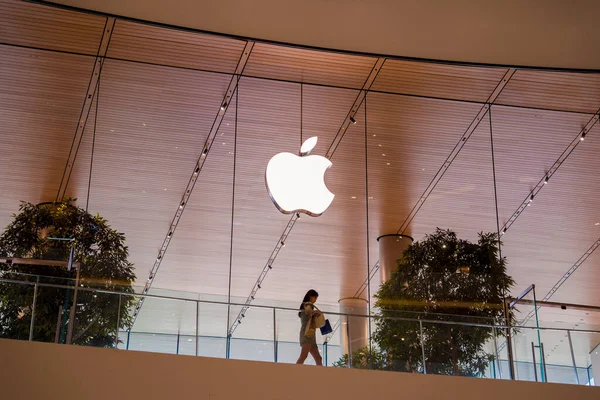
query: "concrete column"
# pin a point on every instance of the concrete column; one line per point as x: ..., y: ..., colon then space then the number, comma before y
x: 355, y: 329
x: 391, y: 249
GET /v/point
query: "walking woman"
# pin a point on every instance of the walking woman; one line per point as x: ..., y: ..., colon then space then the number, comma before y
x: 308, y: 337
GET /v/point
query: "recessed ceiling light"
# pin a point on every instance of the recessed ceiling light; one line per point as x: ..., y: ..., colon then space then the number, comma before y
x: 353, y: 197
x: 597, y: 223
x: 388, y: 163
x: 189, y: 340
x: 383, y: 154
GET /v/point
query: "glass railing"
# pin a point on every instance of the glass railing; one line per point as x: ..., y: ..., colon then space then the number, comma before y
x: 200, y: 325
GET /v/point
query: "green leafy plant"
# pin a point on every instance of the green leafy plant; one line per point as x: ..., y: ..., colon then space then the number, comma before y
x: 102, y: 254
x: 449, y: 281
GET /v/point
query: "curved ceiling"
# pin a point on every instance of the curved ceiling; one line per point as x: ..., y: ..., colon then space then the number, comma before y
x: 419, y: 156
x: 553, y: 33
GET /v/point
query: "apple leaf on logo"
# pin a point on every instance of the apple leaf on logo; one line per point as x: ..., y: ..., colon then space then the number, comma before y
x: 308, y: 145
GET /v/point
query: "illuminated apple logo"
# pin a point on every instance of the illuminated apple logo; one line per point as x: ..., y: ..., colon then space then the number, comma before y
x: 297, y: 183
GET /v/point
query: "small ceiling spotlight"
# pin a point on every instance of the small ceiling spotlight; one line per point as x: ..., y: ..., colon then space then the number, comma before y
x: 224, y: 106
x: 583, y: 134
x: 270, y: 266
x: 352, y: 120
x: 259, y: 286
x: 282, y: 243
x: 546, y: 180
x: 197, y: 171
x: 504, y: 231
x: 531, y: 198
x: 158, y: 258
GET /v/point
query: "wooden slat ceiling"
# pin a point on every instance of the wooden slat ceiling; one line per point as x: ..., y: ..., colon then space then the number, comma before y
x: 151, y: 127
x: 41, y: 95
x: 559, y: 227
x: 438, y: 80
x: 155, y: 45
x: 575, y: 92
x: 309, y: 66
x: 34, y: 25
x: 158, y: 100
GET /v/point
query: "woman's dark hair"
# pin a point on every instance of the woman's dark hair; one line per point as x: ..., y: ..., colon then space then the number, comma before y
x: 307, y: 296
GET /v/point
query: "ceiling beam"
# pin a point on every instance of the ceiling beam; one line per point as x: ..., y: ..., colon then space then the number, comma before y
x: 87, y: 106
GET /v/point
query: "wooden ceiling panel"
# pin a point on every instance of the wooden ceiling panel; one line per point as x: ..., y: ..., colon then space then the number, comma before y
x: 559, y: 226
x: 41, y: 95
x: 151, y: 127
x: 308, y: 66
x: 268, y: 123
x: 553, y: 90
x: 198, y: 256
x: 324, y: 110
x: 156, y: 45
x: 438, y: 80
x: 408, y: 140
x: 27, y: 24
x: 526, y: 144
x: 463, y: 200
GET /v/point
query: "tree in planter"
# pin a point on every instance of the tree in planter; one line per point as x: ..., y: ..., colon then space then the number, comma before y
x: 103, y: 256
x: 446, y: 279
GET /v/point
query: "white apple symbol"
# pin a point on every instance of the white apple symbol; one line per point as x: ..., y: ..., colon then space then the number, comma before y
x: 297, y: 183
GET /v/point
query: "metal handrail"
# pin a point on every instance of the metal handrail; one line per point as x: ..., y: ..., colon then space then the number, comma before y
x: 416, y: 320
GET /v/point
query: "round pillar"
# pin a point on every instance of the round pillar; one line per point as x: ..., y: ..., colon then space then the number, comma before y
x: 391, y: 249
x: 354, y: 329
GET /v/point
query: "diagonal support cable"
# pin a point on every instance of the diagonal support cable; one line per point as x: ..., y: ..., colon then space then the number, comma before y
x: 197, y: 170
x: 87, y: 106
x: 564, y: 278
x: 457, y: 148
x: 440, y: 173
x: 546, y: 178
x: 349, y: 120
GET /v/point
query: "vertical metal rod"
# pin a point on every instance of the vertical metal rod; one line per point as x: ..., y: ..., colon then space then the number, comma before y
x: 32, y: 324
x: 72, y: 315
x: 509, y: 349
x: 325, y: 352
x: 537, y: 325
x: 543, y: 362
x: 534, y: 363
x: 423, y: 347
x: 274, y: 334
x: 228, y: 347
x: 573, y: 357
x: 197, y: 323
x: 178, y: 337
x: 128, y: 337
x: 497, y: 354
x: 118, y: 323
x: 60, y: 312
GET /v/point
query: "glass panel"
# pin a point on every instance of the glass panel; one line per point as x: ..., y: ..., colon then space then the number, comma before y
x: 523, y: 354
x: 96, y: 318
x: 212, y: 328
x: 156, y: 343
x: 253, y: 337
x: 16, y: 302
x: 452, y: 349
